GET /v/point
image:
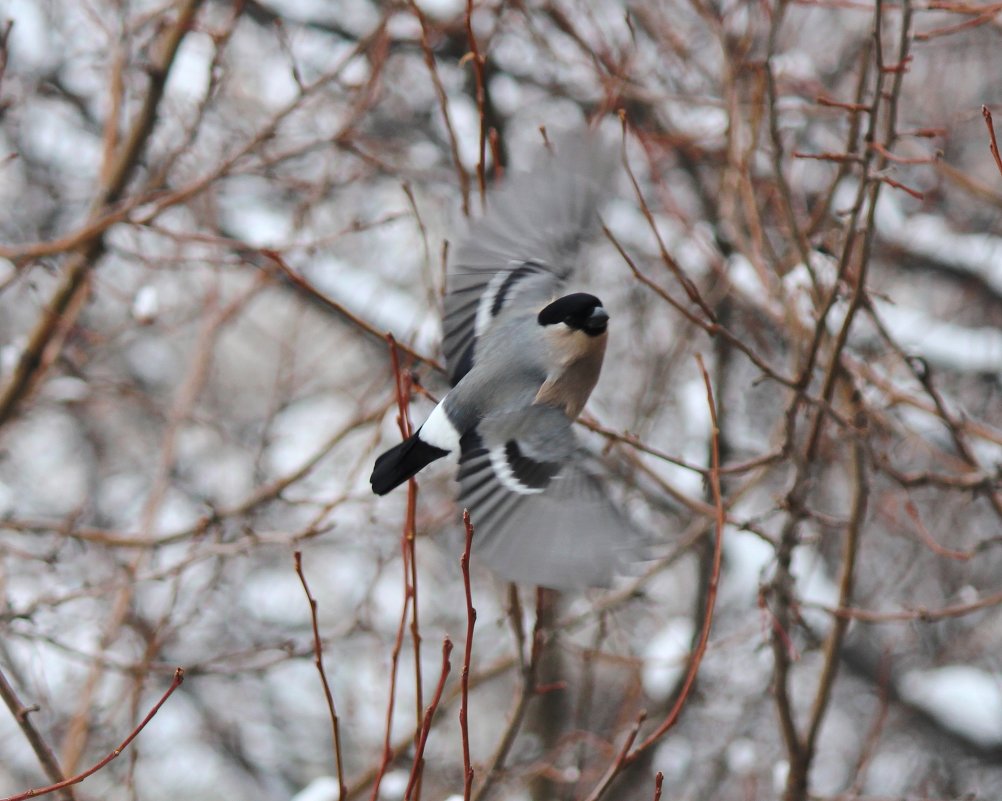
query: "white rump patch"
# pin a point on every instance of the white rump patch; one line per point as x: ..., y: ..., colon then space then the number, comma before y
x: 506, y: 476
x: 439, y: 431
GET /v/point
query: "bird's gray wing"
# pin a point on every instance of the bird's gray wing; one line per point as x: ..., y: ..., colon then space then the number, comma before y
x: 541, y: 515
x: 525, y: 245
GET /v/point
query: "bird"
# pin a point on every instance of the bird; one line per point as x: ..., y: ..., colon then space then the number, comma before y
x: 523, y: 356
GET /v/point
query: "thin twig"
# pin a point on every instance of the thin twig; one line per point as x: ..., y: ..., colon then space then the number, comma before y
x: 621, y: 761
x: 711, y: 592
x: 627, y: 757
x: 495, y: 671
x: 869, y: 749
x: 471, y: 621
x: 403, y: 421
x: 408, y: 540
x: 478, y: 77
x: 673, y: 266
x: 711, y: 328
x: 429, y: 715
x: 920, y: 614
x: 67, y: 299
x: 833, y: 645
x: 525, y: 694
x: 318, y: 660
x: 993, y: 145
x: 443, y: 106
x: 389, y: 752
x: 5, y: 30
x: 771, y: 100
x: 928, y: 540
x: 175, y: 683
x: 307, y: 287
x: 21, y: 713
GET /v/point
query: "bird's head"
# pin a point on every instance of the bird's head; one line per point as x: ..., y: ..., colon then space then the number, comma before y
x: 578, y: 311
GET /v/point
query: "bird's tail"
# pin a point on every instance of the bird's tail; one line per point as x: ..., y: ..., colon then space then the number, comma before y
x: 401, y: 462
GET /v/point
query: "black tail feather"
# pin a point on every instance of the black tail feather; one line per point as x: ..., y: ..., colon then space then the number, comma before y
x: 401, y: 462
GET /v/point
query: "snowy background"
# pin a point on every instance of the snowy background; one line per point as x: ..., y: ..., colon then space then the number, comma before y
x: 816, y: 214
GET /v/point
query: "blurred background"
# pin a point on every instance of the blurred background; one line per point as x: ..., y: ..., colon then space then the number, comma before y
x: 213, y: 212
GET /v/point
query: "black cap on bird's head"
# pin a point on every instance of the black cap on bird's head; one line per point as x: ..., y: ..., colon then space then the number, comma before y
x: 580, y: 311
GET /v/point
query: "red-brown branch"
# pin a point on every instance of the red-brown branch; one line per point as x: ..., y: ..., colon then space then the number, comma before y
x: 34, y: 793
x: 840, y: 158
x: 21, y: 713
x: 478, y: 79
x: 711, y: 592
x: 822, y: 100
x: 922, y: 613
x: 429, y: 714
x: 294, y: 278
x: 898, y: 185
x: 626, y: 756
x: 947, y: 30
x: 318, y: 660
x: 887, y: 154
x: 471, y: 621
x: 993, y: 144
x: 443, y: 105
x: 402, y: 380
x: 529, y: 688
x: 622, y: 759
x: 949, y: 553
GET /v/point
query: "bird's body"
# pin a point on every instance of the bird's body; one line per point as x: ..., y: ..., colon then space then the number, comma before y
x: 524, y: 358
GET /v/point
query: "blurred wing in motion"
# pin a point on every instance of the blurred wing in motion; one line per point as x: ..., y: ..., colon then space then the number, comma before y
x: 541, y: 516
x: 525, y: 246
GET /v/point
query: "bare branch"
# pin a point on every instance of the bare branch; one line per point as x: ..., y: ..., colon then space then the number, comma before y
x: 319, y: 662
x: 52, y: 788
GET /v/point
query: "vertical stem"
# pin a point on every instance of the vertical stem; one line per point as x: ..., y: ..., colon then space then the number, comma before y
x: 318, y: 660
x: 471, y: 621
x: 414, y: 783
x: 478, y: 77
x: 850, y: 548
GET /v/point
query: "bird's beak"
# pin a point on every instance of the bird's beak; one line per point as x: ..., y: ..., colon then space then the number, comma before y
x: 597, y: 321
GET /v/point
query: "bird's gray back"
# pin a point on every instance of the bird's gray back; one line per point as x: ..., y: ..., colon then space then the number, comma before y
x: 506, y: 377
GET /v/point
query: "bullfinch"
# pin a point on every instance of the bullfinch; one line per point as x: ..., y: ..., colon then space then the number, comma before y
x: 523, y: 355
